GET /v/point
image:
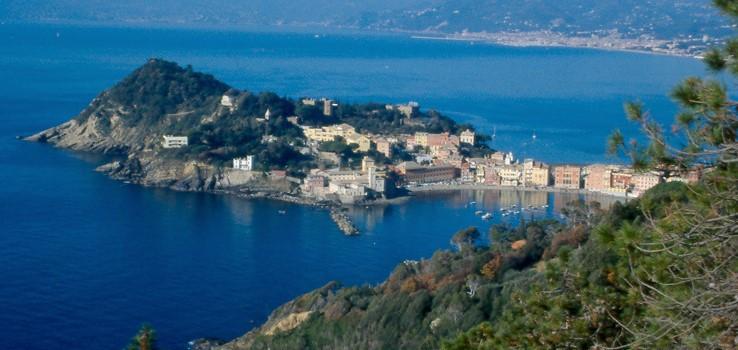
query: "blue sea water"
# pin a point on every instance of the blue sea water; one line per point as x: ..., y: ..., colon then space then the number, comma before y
x: 85, y: 260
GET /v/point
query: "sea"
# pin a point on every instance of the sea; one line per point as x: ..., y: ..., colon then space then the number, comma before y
x: 86, y: 260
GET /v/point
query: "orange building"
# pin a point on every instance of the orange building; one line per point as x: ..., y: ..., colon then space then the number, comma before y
x: 567, y: 176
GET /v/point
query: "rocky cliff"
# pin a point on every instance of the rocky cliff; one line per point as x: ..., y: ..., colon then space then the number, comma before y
x: 159, y: 97
x: 128, y: 121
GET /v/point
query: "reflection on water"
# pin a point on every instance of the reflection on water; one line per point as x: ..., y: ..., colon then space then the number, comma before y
x: 464, y: 208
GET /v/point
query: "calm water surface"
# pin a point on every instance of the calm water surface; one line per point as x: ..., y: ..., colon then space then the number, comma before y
x: 85, y: 260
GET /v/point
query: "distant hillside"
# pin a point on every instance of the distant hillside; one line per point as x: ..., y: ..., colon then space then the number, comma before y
x: 659, y: 18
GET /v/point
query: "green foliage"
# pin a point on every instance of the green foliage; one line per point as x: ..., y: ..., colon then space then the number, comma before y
x: 159, y: 88
x: 659, y: 272
x: 465, y: 238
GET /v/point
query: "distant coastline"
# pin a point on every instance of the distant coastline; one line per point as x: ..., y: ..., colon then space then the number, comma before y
x: 693, y: 48
x: 550, y: 39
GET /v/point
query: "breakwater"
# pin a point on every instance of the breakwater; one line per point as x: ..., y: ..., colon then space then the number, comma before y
x: 344, y: 222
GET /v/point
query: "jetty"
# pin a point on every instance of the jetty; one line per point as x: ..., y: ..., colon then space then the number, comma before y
x: 344, y: 222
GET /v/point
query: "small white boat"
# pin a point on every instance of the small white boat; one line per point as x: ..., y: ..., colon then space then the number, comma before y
x: 487, y: 216
x: 478, y: 212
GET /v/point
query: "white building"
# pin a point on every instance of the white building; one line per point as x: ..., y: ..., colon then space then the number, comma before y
x: 171, y: 141
x: 246, y: 163
x: 467, y: 136
x: 227, y: 101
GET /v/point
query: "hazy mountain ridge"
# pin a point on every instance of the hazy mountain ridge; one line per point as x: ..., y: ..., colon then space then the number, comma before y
x: 658, y: 18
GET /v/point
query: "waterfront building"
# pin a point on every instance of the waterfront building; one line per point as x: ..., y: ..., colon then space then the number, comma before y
x: 171, y: 141
x: 642, y: 182
x: 468, y: 137
x: 416, y: 173
x: 536, y: 174
x: 598, y: 177
x: 315, y: 185
x: 691, y: 176
x: 621, y: 181
x: 246, y: 163
x: 510, y: 175
x: 347, y: 190
x: 567, y: 176
x: 467, y: 173
x: 377, y: 180
x: 308, y: 101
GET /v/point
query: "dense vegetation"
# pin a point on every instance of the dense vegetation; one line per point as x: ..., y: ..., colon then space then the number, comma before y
x: 163, y: 98
x: 657, y: 272
x: 661, y: 272
x: 374, y: 118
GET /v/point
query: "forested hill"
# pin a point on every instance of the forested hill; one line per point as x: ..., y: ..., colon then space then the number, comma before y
x: 666, y: 19
x: 163, y: 98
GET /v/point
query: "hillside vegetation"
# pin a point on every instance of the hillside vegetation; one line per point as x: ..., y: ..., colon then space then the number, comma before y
x: 163, y: 98
x: 660, y: 272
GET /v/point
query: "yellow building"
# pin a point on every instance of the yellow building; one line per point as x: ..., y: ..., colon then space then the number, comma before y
x: 536, y: 174
x: 329, y: 133
x: 365, y: 143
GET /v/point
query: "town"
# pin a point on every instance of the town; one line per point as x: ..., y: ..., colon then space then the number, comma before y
x: 385, y: 165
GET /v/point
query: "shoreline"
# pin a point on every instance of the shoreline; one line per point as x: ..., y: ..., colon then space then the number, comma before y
x: 481, y: 187
x: 522, y: 43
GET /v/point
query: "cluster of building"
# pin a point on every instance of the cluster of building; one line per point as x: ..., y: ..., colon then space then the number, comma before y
x: 348, y: 133
x: 439, y: 158
x: 348, y: 185
x: 329, y: 105
x: 501, y: 169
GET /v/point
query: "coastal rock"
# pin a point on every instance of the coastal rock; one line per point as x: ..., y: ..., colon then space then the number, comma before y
x: 288, y: 316
x: 205, y: 344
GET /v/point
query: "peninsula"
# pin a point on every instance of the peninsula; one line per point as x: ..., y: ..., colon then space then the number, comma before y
x: 168, y: 126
